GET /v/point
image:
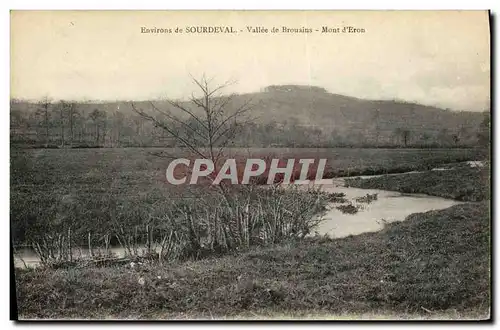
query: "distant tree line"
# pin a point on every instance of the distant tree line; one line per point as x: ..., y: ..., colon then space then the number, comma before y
x: 68, y: 124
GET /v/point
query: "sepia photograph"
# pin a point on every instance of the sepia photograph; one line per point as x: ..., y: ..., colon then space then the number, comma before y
x: 250, y: 165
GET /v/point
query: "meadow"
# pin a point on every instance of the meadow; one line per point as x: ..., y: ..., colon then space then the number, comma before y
x: 95, y: 188
x: 136, y: 171
x: 462, y: 183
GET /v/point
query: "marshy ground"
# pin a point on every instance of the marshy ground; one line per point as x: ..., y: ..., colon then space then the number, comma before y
x: 433, y: 265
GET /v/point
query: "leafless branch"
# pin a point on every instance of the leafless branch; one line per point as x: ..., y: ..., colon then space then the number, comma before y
x: 238, y: 113
x: 214, y: 130
x: 158, y: 123
x: 180, y: 107
x: 177, y: 120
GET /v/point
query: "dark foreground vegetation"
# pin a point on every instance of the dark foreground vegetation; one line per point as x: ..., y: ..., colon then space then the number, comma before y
x: 432, y: 262
x: 181, y: 229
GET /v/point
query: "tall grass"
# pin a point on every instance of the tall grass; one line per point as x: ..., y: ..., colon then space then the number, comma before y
x: 433, y: 261
x: 187, y: 228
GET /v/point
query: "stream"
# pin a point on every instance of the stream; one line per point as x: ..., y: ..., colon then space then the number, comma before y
x: 390, y: 206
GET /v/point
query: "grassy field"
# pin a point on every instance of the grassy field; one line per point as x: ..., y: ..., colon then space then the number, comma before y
x: 122, y: 168
x: 462, y: 183
x: 432, y: 265
x: 134, y: 173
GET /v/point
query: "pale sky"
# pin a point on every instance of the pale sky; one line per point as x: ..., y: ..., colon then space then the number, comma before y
x: 436, y: 58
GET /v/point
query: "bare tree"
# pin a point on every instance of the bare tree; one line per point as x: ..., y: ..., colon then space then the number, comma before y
x: 206, y: 124
x: 104, y: 122
x: 376, y: 125
x: 425, y: 137
x: 62, y: 109
x: 99, y: 119
x: 43, y: 111
x: 117, y: 120
x: 484, y: 130
x: 72, y: 114
x: 404, y: 134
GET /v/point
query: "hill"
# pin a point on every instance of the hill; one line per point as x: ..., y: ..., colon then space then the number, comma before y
x: 336, y: 116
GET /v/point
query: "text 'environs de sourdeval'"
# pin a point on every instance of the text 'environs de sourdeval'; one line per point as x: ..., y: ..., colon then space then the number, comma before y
x: 249, y: 29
